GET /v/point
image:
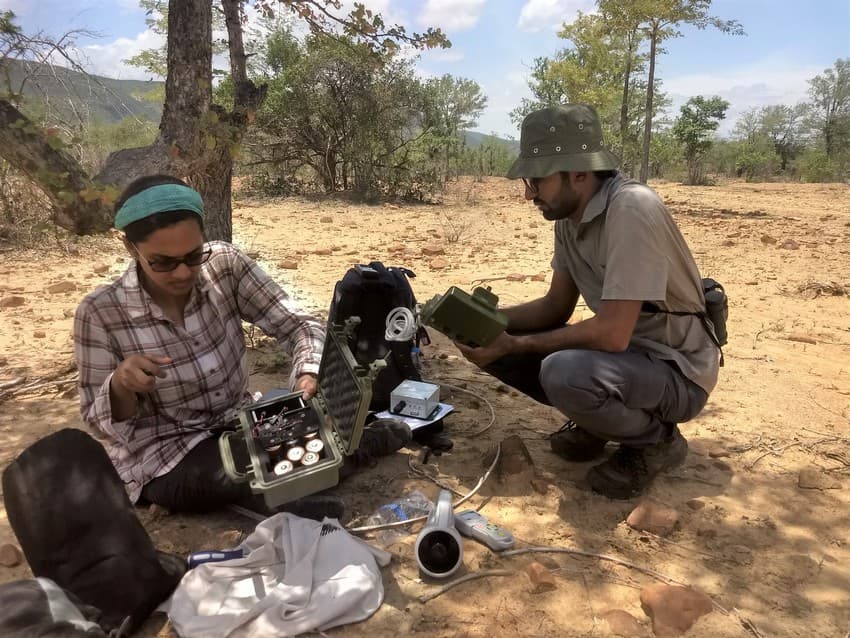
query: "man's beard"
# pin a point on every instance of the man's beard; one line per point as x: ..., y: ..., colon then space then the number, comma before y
x: 564, y: 210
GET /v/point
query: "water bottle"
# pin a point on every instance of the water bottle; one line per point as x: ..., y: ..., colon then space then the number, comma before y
x: 414, y: 355
x: 412, y: 505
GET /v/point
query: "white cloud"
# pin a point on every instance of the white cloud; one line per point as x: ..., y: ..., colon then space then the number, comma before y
x: 539, y: 15
x: 763, y: 83
x: 108, y: 59
x: 451, y: 15
x: 442, y: 55
x: 502, y: 98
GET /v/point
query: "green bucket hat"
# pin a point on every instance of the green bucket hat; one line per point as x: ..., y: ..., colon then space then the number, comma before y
x: 561, y: 138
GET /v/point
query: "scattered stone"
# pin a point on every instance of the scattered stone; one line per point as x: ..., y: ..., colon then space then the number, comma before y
x: 695, y: 504
x: 68, y: 313
x: 3, y: 361
x: 396, y: 248
x: 719, y: 452
x: 673, y: 609
x: 438, y: 264
x: 531, y: 235
x: 230, y: 538
x: 432, y: 250
x: 541, y: 578
x: 254, y: 254
x: 501, y: 387
x: 322, y: 251
x: 767, y: 239
x: 39, y: 334
x: 326, y: 219
x: 728, y: 243
x: 707, y: 532
x: 622, y: 623
x: 288, y: 264
x: 722, y: 465
x: 652, y: 516
x: 515, y: 276
x: 539, y: 277
x: 790, y: 244
x: 10, y: 555
x: 101, y: 269
x: 13, y: 301
x: 813, y: 478
x: 754, y: 282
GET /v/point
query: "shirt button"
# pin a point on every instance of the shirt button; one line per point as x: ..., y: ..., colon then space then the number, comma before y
x: 218, y: 394
x: 197, y: 343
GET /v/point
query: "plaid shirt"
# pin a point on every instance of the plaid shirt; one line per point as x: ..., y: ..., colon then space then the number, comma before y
x: 208, y: 378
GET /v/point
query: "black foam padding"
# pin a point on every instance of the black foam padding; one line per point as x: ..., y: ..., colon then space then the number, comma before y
x: 340, y: 389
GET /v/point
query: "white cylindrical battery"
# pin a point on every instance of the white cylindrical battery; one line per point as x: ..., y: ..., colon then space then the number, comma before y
x: 295, y: 454
x: 310, y: 458
x: 283, y: 467
x: 314, y: 445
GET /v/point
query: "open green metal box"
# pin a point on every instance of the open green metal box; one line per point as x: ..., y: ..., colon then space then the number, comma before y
x: 296, y: 447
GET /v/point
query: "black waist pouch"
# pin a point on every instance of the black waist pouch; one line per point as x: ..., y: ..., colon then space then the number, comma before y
x: 76, y: 526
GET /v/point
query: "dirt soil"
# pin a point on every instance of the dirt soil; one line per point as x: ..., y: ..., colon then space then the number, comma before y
x: 753, y: 533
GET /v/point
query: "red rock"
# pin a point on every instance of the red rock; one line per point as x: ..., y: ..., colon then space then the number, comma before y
x: 539, y: 277
x: 10, y: 555
x: 695, y: 504
x: 438, y: 264
x: 651, y: 516
x: 326, y: 219
x: 673, y: 609
x: 790, y: 244
x: 101, y: 269
x: 433, y: 249
x: 622, y: 623
x: 540, y: 577
x: 13, y: 301
x: 515, y: 276
x: 322, y: 251
x: 288, y: 264
x: 39, y: 334
x: 767, y: 239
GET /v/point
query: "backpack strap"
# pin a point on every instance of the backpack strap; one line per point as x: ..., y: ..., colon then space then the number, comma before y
x: 703, y: 317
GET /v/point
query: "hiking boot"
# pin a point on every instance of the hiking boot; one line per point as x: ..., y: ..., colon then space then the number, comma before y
x: 630, y: 470
x: 380, y: 438
x: 576, y: 445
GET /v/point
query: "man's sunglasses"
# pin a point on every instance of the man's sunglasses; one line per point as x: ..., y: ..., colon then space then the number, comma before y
x: 531, y: 183
x: 167, y: 264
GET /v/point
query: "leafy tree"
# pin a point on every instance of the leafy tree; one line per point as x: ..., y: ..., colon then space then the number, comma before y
x: 830, y: 112
x: 450, y: 105
x: 698, y: 120
x: 197, y: 139
x: 660, y: 20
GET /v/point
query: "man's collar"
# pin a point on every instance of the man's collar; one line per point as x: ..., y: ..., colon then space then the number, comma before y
x: 598, y: 204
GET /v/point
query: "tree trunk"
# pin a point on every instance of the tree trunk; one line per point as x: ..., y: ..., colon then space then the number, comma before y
x: 650, y: 92
x: 624, y: 107
x: 77, y: 204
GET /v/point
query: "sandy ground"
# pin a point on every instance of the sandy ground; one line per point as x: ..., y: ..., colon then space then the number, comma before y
x: 762, y: 544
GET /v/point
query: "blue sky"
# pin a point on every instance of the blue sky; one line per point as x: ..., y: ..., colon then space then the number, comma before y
x: 496, y: 41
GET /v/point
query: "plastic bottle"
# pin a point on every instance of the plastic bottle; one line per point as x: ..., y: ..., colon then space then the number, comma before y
x: 412, y: 505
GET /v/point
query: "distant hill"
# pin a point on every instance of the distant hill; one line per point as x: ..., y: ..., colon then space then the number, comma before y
x: 96, y: 98
x: 475, y: 139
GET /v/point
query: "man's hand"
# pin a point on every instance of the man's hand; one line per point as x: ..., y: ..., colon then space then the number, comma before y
x: 138, y: 373
x: 308, y: 384
x: 485, y: 355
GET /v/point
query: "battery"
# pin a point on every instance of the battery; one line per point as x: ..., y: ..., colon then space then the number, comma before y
x: 310, y: 458
x: 314, y: 445
x: 283, y: 467
x: 295, y: 454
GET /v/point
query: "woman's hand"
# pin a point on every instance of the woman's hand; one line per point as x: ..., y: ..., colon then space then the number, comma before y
x: 308, y: 384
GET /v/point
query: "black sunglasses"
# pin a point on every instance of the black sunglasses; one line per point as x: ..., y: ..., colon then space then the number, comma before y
x: 531, y: 183
x: 194, y: 258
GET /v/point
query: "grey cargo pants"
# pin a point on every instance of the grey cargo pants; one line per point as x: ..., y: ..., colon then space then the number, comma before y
x: 629, y: 397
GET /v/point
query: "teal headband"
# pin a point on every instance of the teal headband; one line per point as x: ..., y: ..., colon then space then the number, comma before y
x: 159, y: 199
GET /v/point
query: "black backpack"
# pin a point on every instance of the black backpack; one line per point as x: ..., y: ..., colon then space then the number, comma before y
x: 371, y: 292
x: 76, y: 526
